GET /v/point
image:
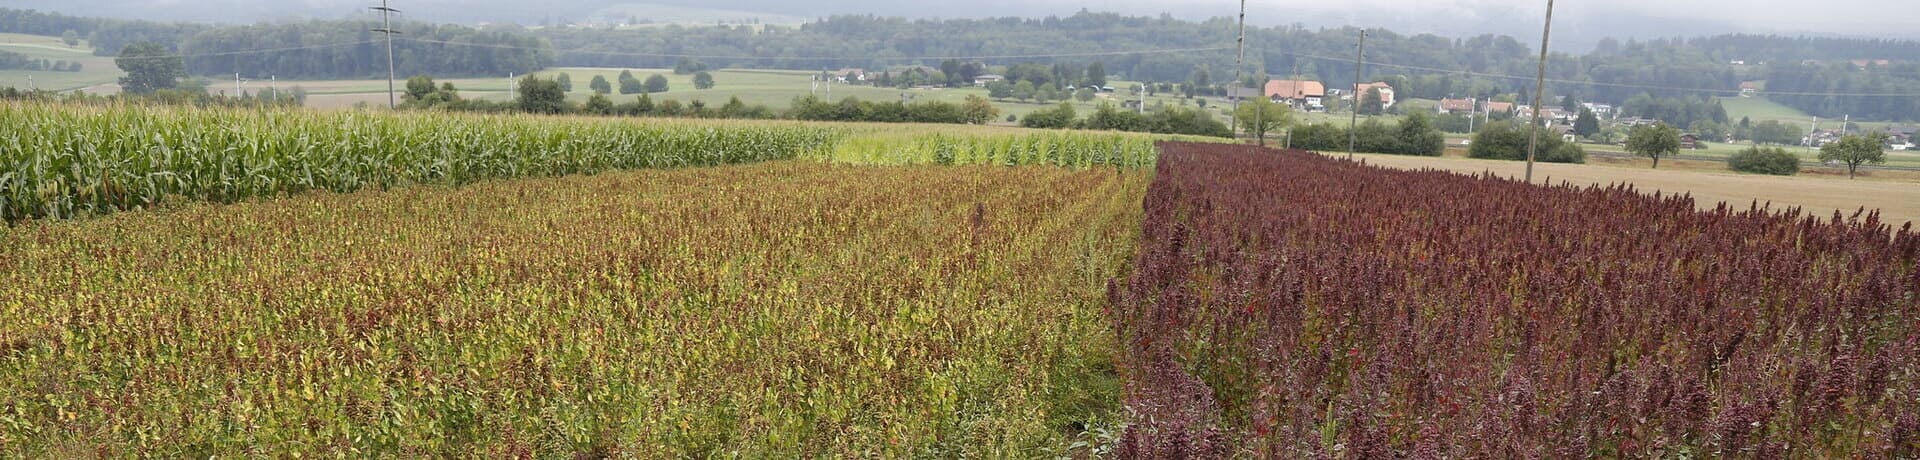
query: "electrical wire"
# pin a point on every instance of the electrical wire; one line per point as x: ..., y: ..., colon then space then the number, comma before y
x: 246, y: 52
x: 832, y: 58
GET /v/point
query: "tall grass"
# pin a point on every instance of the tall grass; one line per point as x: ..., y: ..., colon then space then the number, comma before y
x: 65, y: 161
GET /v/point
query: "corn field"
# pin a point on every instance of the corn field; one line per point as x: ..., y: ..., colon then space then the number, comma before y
x: 63, y: 161
x: 68, y: 161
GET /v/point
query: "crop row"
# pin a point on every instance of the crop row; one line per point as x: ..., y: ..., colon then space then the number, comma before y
x: 782, y: 309
x: 1289, y: 305
x: 64, y: 161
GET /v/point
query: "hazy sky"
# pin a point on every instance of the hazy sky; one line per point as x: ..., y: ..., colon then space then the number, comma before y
x: 1577, y: 20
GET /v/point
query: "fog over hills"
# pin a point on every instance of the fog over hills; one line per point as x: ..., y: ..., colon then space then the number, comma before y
x: 1578, y: 24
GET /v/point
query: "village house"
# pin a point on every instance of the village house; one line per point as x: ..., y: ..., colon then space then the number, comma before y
x: 1451, y: 105
x: 1690, y: 141
x: 983, y: 80
x: 1599, y: 110
x: 1749, y: 89
x: 1306, y: 95
x: 1386, y: 92
x: 850, y: 75
x: 1499, y: 107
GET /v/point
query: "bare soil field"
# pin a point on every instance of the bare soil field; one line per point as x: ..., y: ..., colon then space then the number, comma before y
x: 1896, y: 194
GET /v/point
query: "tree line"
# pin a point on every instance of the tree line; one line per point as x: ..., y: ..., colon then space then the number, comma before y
x: 16, y: 61
x: 315, y: 49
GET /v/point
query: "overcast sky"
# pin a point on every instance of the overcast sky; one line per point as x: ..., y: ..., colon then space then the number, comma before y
x: 1577, y: 21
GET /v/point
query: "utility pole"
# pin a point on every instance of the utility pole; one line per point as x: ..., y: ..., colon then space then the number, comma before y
x: 236, y: 86
x: 1539, y: 92
x: 1359, y: 63
x: 31, y: 86
x: 386, y: 27
x: 1812, y: 129
x: 1239, y: 65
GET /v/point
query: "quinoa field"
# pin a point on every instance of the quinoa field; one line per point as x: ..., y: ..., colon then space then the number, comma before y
x: 769, y: 310
x: 1288, y: 305
x: 201, y: 283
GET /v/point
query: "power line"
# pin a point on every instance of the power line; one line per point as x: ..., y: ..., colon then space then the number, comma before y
x: 247, y: 52
x: 1470, y: 73
x: 831, y: 58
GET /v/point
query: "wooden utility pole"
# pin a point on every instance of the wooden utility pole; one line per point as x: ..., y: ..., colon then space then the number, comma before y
x: 1359, y: 63
x: 1239, y: 66
x: 386, y: 27
x: 1539, y: 93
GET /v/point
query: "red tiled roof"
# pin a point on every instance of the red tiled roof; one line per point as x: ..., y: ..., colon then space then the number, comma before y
x: 1296, y: 89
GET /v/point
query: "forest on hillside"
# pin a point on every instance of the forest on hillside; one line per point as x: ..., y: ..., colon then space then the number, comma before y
x: 1815, y: 75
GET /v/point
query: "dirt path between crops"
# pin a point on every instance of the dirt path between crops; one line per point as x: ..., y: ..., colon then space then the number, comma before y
x: 1897, y: 199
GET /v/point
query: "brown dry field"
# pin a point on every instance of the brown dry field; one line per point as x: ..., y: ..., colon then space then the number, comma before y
x: 1819, y: 191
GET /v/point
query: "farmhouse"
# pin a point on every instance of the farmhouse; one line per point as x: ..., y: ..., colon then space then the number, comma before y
x: 1749, y: 88
x: 1499, y: 107
x: 1599, y: 110
x: 1690, y: 141
x: 1451, y: 105
x: 983, y: 80
x: 1386, y: 92
x: 850, y: 75
x: 1302, y: 94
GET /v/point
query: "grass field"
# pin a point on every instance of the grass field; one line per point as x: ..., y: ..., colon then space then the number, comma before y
x: 95, y: 70
x: 779, y: 309
x: 1898, y: 199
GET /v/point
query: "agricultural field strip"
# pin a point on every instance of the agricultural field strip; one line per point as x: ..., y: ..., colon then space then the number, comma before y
x: 1897, y: 200
x: 780, y: 308
x: 78, y: 161
x: 1287, y: 304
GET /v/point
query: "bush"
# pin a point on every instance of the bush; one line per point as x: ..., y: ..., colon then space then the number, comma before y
x: 1765, y: 160
x: 1506, y: 140
x: 1323, y: 137
x: 1061, y: 117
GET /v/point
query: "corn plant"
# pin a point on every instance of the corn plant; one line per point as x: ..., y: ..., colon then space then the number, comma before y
x: 64, y: 161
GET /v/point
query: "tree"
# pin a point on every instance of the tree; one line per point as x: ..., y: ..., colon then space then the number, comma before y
x: 599, y: 85
x: 1259, y: 116
x: 1097, y: 74
x: 1587, y: 124
x: 1000, y: 90
x: 70, y: 38
x: 629, y: 84
x: 565, y: 81
x: 149, y: 68
x: 1654, y: 141
x: 702, y: 80
x: 688, y: 65
x: 599, y: 104
x: 1370, y: 103
x: 541, y: 96
x: 1855, y: 150
x: 1569, y: 104
x: 1023, y: 91
x: 1417, y: 136
x: 978, y: 111
x: 419, y: 87
x: 1775, y: 132
x: 1085, y: 94
x: 657, y: 83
